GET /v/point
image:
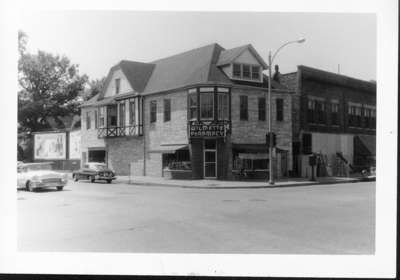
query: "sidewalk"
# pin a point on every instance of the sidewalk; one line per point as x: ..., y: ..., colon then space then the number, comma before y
x: 219, y: 184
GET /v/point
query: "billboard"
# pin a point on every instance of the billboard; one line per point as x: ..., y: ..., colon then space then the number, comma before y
x: 75, y: 144
x: 50, y: 146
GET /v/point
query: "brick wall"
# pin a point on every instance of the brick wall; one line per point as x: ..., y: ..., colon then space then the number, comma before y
x: 124, y: 151
x: 160, y: 132
x: 253, y: 131
x: 89, y: 136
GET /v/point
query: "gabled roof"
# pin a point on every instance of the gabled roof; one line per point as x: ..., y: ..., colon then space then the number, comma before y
x: 228, y: 56
x: 188, y: 68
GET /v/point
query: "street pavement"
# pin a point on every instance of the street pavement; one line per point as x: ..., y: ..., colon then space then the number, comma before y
x: 100, y: 217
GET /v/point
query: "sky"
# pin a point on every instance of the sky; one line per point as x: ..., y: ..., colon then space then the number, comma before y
x: 97, y: 40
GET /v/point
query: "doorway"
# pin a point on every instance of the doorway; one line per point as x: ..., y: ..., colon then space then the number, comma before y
x: 210, y: 159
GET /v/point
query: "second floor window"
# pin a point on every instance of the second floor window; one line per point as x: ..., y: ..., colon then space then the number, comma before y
x: 354, y: 115
x: 237, y: 71
x: 95, y: 119
x: 261, y: 108
x: 310, y: 110
x: 112, y: 115
x: 279, y: 109
x: 88, y: 120
x: 223, y: 107
x: 132, y: 112
x: 335, y: 113
x: 316, y: 112
x: 117, y: 85
x: 320, y: 109
x: 246, y: 71
x: 167, y: 110
x: 244, y: 113
x: 122, y: 114
x: 101, y: 116
x: 207, y: 105
x: 192, y: 106
x: 153, y: 111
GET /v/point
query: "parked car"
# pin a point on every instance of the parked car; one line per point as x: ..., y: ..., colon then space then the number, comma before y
x: 94, y: 171
x: 369, y: 174
x: 33, y: 176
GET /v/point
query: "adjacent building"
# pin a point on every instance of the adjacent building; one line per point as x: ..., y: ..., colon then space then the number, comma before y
x: 204, y: 114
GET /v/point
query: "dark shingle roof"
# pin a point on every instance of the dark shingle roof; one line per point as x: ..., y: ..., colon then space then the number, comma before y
x: 137, y: 73
x: 184, y: 69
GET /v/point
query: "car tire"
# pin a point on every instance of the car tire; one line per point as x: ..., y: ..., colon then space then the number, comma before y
x: 75, y: 176
x: 109, y: 181
x: 92, y: 179
x: 29, y: 186
x: 60, y: 188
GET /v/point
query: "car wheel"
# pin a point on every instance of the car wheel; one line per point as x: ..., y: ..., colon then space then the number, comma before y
x: 109, y: 181
x: 92, y: 179
x: 75, y: 176
x: 60, y: 188
x: 29, y: 186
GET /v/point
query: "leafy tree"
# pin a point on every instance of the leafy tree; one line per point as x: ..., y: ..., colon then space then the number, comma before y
x: 95, y: 87
x: 50, y: 86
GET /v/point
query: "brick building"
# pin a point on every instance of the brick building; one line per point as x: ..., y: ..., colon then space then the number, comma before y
x: 334, y: 114
x: 198, y: 114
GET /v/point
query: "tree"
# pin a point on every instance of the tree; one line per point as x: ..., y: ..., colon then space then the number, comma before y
x: 49, y: 88
x: 95, y: 87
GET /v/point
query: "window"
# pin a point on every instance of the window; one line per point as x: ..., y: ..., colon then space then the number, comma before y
x: 335, y: 113
x: 122, y: 114
x: 310, y: 110
x: 167, y: 110
x: 223, y: 106
x: 132, y: 112
x: 279, y: 109
x: 320, y: 109
x: 244, y: 114
x: 101, y: 116
x: 192, y: 106
x: 261, y: 108
x: 95, y: 119
x: 246, y: 71
x: 88, y: 120
x: 207, y: 105
x: 112, y: 115
x: 237, y: 72
x: 354, y: 115
x: 117, y: 85
x: 153, y: 111
x: 255, y: 72
x: 307, y: 144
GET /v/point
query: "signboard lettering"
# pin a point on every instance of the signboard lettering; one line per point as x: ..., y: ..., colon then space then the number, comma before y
x: 198, y: 129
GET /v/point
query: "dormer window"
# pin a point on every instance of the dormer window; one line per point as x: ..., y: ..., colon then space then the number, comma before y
x: 246, y: 72
x: 117, y: 85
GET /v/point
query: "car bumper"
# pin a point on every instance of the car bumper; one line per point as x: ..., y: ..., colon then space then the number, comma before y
x: 43, y: 185
x: 98, y: 177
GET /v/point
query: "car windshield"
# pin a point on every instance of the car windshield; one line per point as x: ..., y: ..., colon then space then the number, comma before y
x: 100, y: 167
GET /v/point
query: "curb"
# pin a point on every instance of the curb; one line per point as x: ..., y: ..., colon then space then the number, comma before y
x: 242, y: 187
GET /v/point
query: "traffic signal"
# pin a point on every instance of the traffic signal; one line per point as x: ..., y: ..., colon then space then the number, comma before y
x: 267, y: 139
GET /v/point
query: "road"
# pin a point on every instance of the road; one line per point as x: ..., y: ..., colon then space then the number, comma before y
x: 86, y: 217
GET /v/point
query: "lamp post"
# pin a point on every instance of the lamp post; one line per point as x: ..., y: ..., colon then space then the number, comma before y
x: 270, y: 60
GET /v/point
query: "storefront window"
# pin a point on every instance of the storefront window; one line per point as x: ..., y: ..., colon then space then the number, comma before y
x: 207, y: 105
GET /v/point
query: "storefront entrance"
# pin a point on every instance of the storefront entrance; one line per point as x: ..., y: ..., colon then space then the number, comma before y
x: 210, y: 159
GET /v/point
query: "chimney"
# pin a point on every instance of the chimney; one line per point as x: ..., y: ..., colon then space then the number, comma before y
x: 277, y: 76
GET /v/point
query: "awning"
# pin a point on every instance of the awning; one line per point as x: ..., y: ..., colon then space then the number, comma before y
x: 253, y: 155
x: 170, y: 149
x: 365, y: 145
x: 253, y: 148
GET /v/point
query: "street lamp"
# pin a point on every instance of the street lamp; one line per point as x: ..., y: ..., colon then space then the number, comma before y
x: 270, y: 60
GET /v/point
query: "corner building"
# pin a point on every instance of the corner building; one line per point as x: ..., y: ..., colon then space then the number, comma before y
x: 199, y: 114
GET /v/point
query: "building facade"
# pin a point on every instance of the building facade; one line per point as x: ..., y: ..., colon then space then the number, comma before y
x: 204, y: 114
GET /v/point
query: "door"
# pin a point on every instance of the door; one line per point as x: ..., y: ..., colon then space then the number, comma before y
x: 210, y: 159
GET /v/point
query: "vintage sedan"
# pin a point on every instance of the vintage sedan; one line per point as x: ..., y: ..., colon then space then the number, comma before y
x: 33, y: 176
x: 94, y: 171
